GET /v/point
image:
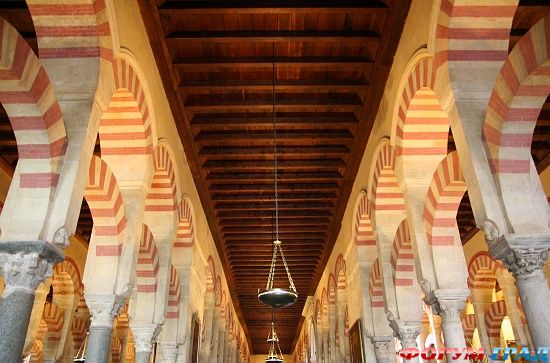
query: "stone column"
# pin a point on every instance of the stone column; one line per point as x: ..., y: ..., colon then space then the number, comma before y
x: 144, y: 337
x: 406, y: 331
x: 103, y: 310
x: 524, y: 255
x: 448, y: 304
x: 24, y: 266
x: 382, y: 348
x: 169, y: 351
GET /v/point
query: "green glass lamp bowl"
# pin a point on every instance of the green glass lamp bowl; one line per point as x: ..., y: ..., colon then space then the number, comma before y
x: 277, y: 298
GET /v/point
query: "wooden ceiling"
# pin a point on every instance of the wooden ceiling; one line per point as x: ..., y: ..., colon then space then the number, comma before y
x: 331, y: 59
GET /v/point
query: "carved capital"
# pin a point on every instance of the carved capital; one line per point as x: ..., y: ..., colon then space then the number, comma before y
x: 449, y: 303
x: 144, y: 336
x: 405, y: 330
x: 25, y: 272
x: 523, y: 255
x: 524, y: 263
x: 169, y: 351
x: 103, y: 309
x: 25, y: 264
x: 382, y: 345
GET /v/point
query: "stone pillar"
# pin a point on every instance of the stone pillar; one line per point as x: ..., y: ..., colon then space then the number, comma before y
x: 25, y: 265
x: 103, y: 310
x: 524, y: 255
x: 382, y: 348
x: 144, y: 337
x: 169, y: 351
x: 407, y: 331
x: 438, y: 334
x: 448, y: 304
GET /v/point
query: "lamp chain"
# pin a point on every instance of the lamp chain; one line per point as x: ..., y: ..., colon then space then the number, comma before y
x: 275, y: 150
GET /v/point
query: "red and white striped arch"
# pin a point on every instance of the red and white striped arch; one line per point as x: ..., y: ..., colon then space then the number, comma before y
x: 116, y: 350
x: 482, y: 271
x: 331, y: 289
x: 211, y: 275
x: 163, y: 194
x: 442, y: 201
x: 324, y: 308
x: 107, y: 208
x: 421, y: 126
x: 71, y: 29
x: 375, y: 287
x: 493, y: 321
x: 340, y: 273
x: 35, y: 352
x: 28, y: 97
x: 402, y: 257
x: 521, y: 89
x: 469, y: 325
x: 185, y: 235
x: 174, y: 295
x: 125, y: 127
x: 473, y: 31
x: 78, y: 329
x: 385, y: 191
x: 148, y: 263
x: 364, y: 233
x: 66, y: 279
x: 54, y: 320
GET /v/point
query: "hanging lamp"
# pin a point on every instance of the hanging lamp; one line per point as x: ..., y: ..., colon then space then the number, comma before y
x: 277, y: 297
x: 275, y: 355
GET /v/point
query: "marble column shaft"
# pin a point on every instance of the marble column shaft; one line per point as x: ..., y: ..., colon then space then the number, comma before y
x: 448, y: 305
x: 103, y: 310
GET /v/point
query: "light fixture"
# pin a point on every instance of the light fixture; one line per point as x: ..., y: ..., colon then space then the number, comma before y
x: 277, y: 297
x: 275, y: 355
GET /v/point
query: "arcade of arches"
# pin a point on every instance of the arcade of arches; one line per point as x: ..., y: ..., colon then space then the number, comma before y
x: 135, y: 173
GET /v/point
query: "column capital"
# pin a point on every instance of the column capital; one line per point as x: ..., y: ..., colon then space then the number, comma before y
x: 103, y: 309
x: 522, y: 254
x: 447, y: 303
x: 382, y: 344
x: 144, y: 336
x: 25, y: 264
x: 169, y: 351
x: 405, y: 330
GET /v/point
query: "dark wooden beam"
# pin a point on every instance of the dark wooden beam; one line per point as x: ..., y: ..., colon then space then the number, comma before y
x: 271, y: 7
x: 269, y: 36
